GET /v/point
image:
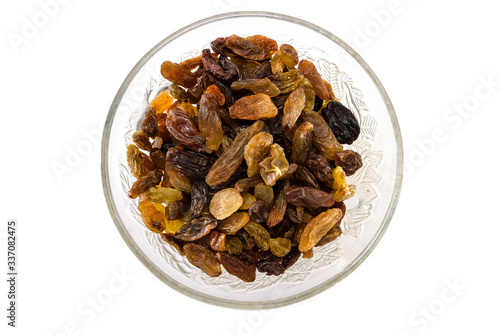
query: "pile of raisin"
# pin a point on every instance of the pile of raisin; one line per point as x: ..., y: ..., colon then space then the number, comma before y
x: 239, y: 162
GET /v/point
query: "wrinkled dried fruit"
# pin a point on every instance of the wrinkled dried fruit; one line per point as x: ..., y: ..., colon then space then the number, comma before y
x: 309, y: 71
x: 192, y: 63
x: 216, y: 69
x: 341, y: 121
x: 233, y: 223
x: 139, y: 162
x: 323, y: 137
x: 277, y: 65
x: 271, y: 265
x: 196, y: 229
x: 291, y: 258
x: 231, y: 159
x: 163, y: 194
x: 179, y: 181
x: 175, y: 210
x: 199, y: 196
x: 159, y: 159
x: 288, y: 81
x: 280, y: 246
x: 253, y: 107
x: 245, y: 184
x: 256, y: 86
x: 236, y: 267
x: 320, y: 167
x: 182, y: 127
x: 302, y: 142
x: 248, y: 200
x: 289, y: 55
x: 191, y: 164
x: 217, y: 94
x: 247, y: 241
x: 218, y: 241
x: 350, y: 161
x: 317, y: 228
x: 234, y: 245
x: 264, y: 193
x: 308, y: 197
x: 263, y: 70
x: 338, y: 176
x: 259, y: 211
x: 172, y: 226
x: 202, y: 258
x: 161, y: 102
x: 142, y: 140
x: 279, y: 207
x: 149, y: 125
x: 225, y: 202
x: 178, y: 74
x: 332, y: 235
x: 304, y: 175
x: 256, y: 47
x: 209, y: 121
x: 293, y: 107
x: 256, y: 150
x: 152, y: 217
x: 219, y: 46
x: 144, y: 183
x: 275, y: 166
x: 344, y: 193
x: 259, y: 233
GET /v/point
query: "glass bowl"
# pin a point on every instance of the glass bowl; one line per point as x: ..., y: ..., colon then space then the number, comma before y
x: 378, y: 182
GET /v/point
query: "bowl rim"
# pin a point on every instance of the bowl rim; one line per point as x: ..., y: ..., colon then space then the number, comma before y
x: 248, y: 305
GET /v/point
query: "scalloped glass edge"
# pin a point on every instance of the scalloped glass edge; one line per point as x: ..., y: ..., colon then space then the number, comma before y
x: 233, y: 303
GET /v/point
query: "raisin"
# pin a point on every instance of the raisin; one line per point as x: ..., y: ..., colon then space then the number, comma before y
x: 290, y: 258
x: 192, y: 63
x: 216, y: 69
x: 245, y: 66
x: 288, y: 81
x: 344, y: 193
x: 142, y: 140
x: 219, y: 46
x: 293, y: 107
x: 338, y: 176
x: 309, y: 197
x: 218, y: 241
x: 233, y: 223
x: 280, y: 246
x: 178, y: 74
x: 202, y: 258
x: 161, y: 102
x: 236, y: 267
x: 248, y: 200
x: 245, y: 184
x: 262, y: 71
x: 170, y: 239
x: 234, y: 245
x: 270, y: 265
x: 332, y: 235
x: 196, y: 229
x: 317, y: 228
x: 231, y: 159
x: 144, y: 183
x: 179, y: 181
x: 157, y: 143
x: 172, y: 226
x: 279, y: 207
x: 253, y: 107
x: 291, y: 171
x: 321, y: 169
x: 275, y: 166
x: 139, y: 162
x: 209, y: 121
x: 163, y: 194
x: 318, y: 103
x: 289, y: 55
x: 323, y: 137
x: 255, y: 47
x: 175, y: 210
x: 309, y: 93
x: 217, y: 94
x: 182, y: 127
x: 264, y: 193
x: 192, y: 164
x: 247, y: 241
x: 159, y: 159
x: 309, y: 71
x: 341, y: 121
x: 277, y: 65
x: 199, y: 196
x: 303, y: 174
x: 350, y: 161
x: 259, y: 233
x: 225, y: 202
x: 276, y: 129
x: 152, y: 217
x: 178, y: 92
x: 302, y: 142
x: 256, y: 150
x: 264, y: 86
x: 259, y: 211
x: 149, y: 125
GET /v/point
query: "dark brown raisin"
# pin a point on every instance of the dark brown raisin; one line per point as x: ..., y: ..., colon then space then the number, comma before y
x: 196, y: 228
x: 350, y: 161
x: 237, y: 267
x: 309, y: 197
x: 149, y: 125
x: 199, y: 196
x: 341, y: 121
x: 259, y: 211
x: 143, y: 184
x: 192, y: 164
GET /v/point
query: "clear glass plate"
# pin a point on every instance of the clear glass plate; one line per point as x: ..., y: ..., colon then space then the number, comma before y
x: 378, y: 182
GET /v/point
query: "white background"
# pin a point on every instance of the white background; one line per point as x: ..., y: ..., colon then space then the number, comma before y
x: 430, y: 56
